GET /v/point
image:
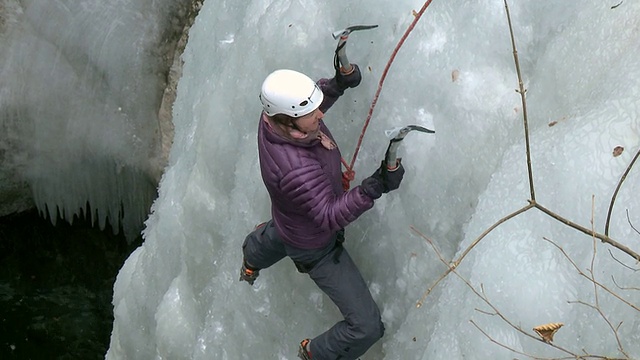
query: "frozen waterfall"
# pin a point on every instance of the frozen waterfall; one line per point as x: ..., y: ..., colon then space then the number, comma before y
x: 82, y: 82
x: 178, y: 295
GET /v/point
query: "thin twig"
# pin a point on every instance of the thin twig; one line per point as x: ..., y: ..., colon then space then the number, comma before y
x: 614, y: 329
x: 631, y: 224
x: 603, y: 287
x: 615, y: 193
x: 574, y: 356
x: 506, y: 346
x: 485, y: 312
x: 593, y: 253
x: 620, y: 262
x: 496, y: 312
x: 486, y: 232
x: 603, y: 238
x: 457, y: 262
x: 623, y: 287
x: 522, y: 92
x: 452, y: 266
x: 595, y: 286
x: 615, y: 6
x: 532, y: 202
x: 484, y: 297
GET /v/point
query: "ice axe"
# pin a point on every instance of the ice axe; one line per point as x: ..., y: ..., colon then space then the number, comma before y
x: 340, y: 61
x: 390, y: 157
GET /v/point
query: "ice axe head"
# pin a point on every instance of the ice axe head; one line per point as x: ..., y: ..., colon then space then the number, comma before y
x: 344, y: 33
x: 390, y: 158
x: 340, y: 61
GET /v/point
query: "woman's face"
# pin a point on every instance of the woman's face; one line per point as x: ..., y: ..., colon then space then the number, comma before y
x: 310, y: 123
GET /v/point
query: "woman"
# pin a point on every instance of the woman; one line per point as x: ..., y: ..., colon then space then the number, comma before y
x: 300, y: 166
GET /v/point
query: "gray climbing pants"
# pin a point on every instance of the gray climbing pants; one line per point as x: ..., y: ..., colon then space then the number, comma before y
x: 334, y: 272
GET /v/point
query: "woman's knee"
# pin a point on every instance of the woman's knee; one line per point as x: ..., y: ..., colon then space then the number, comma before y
x: 375, y: 330
x: 370, y: 330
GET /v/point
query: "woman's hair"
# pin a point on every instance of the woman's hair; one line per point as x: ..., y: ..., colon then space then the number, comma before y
x: 286, y: 120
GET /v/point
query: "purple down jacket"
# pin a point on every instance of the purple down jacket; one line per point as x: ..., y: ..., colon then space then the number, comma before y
x: 304, y: 180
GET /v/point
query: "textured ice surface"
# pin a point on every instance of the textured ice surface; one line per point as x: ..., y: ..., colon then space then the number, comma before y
x: 178, y: 295
x: 81, y: 86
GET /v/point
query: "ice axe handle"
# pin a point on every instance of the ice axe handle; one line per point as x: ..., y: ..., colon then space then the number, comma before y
x: 390, y: 159
x: 345, y: 65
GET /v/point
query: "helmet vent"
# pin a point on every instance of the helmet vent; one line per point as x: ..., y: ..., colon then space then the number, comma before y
x: 304, y: 103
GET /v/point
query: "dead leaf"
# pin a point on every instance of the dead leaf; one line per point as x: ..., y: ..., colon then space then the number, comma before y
x: 552, y: 123
x: 547, y: 331
x: 414, y: 13
x: 617, y: 151
x: 455, y: 74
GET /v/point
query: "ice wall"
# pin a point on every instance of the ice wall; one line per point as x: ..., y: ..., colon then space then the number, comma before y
x: 178, y: 295
x: 79, y: 97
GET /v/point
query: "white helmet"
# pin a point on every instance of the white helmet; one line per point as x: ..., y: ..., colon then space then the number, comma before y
x: 290, y: 92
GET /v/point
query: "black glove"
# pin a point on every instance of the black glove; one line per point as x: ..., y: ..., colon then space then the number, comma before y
x: 372, y: 187
x: 350, y: 80
x: 383, y: 180
x: 391, y: 179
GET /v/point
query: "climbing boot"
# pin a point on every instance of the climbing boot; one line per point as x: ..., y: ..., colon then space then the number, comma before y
x: 248, y: 274
x: 303, y: 353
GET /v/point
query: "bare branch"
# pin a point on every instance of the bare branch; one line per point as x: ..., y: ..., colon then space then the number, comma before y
x: 603, y: 287
x: 522, y: 92
x: 485, y: 312
x: 483, y: 296
x: 593, y: 253
x: 614, y: 329
x: 615, y: 193
x: 623, y: 287
x: 585, y: 356
x: 621, y: 263
x: 589, y: 274
x: 455, y: 263
x: 496, y: 312
x: 603, y: 238
x: 631, y: 224
x: 508, y: 347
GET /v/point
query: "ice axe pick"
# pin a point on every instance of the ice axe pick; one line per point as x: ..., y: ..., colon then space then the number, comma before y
x: 340, y: 61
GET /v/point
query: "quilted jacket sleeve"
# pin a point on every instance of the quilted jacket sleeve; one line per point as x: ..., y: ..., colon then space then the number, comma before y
x: 310, y: 190
x: 331, y: 92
